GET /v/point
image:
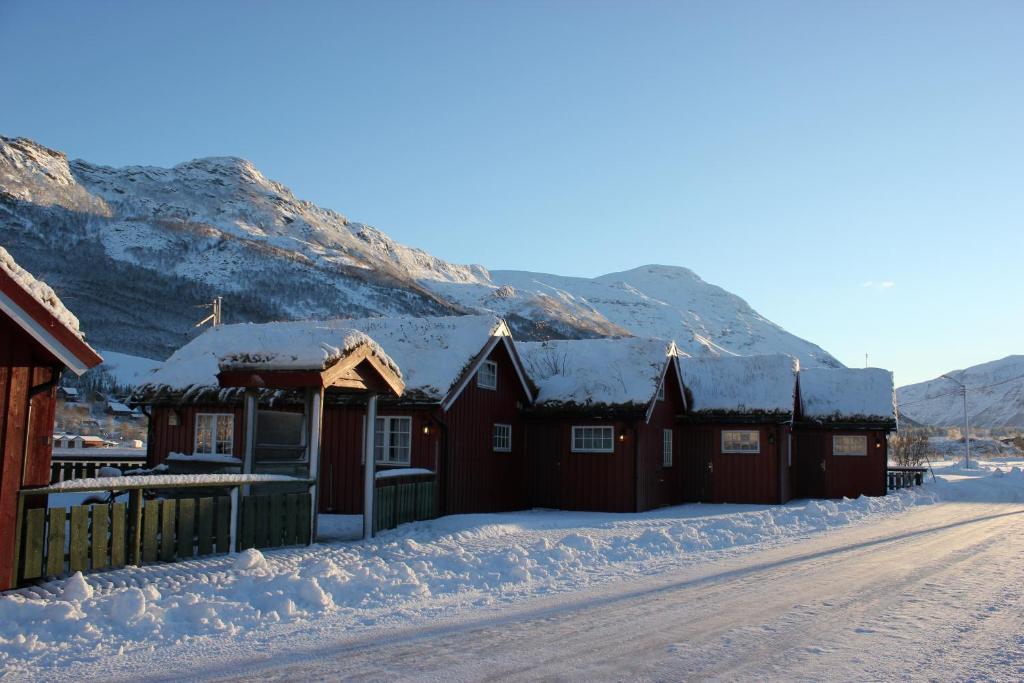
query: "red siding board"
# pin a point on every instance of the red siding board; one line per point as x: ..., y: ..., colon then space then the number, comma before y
x: 842, y: 475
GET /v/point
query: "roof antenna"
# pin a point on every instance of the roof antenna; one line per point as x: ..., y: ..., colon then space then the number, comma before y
x: 215, y: 316
x: 865, y: 360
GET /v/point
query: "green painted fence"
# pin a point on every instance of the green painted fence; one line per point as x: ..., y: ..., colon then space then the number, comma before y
x: 62, y: 469
x: 403, y: 501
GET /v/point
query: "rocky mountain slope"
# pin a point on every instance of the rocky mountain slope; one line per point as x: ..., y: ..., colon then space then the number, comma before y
x: 134, y: 251
x: 995, y: 397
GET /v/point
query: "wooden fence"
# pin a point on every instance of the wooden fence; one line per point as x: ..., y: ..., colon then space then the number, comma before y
x: 66, y: 469
x: 404, y: 499
x: 904, y: 477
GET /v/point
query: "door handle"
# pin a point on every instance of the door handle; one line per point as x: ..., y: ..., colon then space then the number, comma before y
x: 711, y: 467
x: 822, y: 465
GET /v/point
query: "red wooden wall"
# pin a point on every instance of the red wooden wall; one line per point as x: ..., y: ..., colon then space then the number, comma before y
x: 735, y: 477
x: 658, y: 485
x: 165, y: 438
x: 26, y: 429
x: 844, y: 475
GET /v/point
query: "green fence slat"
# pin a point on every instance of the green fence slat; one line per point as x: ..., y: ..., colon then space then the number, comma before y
x: 56, y: 532
x: 302, y: 519
x: 90, y: 470
x: 291, y: 511
x: 247, y: 534
x: 118, y: 534
x: 224, y: 524
x: 167, y: 531
x: 150, y: 530
x: 99, y: 540
x: 68, y: 470
x: 276, y: 520
x: 35, y: 529
x: 78, y: 556
x: 262, y: 521
x: 204, y: 530
x: 186, y: 527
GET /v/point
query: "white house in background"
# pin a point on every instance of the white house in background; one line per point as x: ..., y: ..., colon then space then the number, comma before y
x: 119, y: 409
x: 69, y: 394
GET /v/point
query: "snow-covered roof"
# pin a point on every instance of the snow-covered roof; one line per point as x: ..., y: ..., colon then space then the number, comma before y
x: 740, y: 385
x: 299, y: 345
x: 34, y: 306
x: 119, y: 407
x: 596, y: 372
x: 433, y: 352
x: 847, y: 394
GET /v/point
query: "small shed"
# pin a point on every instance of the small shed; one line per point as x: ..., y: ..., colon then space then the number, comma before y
x: 39, y: 339
x: 602, y: 435
x: 736, y: 428
x: 840, y: 437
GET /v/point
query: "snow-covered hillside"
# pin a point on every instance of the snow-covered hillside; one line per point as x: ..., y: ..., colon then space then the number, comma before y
x: 134, y: 250
x: 995, y: 396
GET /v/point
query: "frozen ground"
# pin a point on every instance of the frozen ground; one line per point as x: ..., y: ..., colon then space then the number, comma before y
x: 924, y: 584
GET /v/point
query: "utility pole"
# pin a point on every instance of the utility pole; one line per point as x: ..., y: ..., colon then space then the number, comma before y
x: 215, y: 316
x: 967, y: 423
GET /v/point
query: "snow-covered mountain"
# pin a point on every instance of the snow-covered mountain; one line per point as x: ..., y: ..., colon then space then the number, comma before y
x: 995, y: 396
x: 134, y: 251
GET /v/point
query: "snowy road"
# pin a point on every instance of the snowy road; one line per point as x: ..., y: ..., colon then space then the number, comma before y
x: 931, y: 594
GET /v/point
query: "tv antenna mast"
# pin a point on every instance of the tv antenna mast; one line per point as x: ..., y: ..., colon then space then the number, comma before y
x: 215, y: 316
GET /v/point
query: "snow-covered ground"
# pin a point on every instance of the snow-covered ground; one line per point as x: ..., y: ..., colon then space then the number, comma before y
x: 209, y: 617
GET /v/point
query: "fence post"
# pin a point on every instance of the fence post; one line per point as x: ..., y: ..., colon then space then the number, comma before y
x: 135, y: 537
x: 15, y: 577
x: 235, y: 512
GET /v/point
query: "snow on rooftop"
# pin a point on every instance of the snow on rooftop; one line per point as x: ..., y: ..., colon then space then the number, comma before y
x: 740, y: 384
x: 40, y: 291
x: 595, y: 371
x: 853, y: 394
x: 299, y: 345
x: 433, y: 352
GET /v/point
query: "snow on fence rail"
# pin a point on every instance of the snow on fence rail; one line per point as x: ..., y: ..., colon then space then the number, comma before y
x: 55, y: 541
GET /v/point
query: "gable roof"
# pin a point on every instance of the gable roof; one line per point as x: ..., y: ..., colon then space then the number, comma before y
x: 740, y: 385
x: 609, y: 372
x: 35, y: 307
x: 313, y: 346
x: 850, y: 395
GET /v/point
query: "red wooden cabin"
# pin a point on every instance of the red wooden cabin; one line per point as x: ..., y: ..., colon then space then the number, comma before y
x: 459, y: 416
x: 602, y: 434
x: 840, y: 445
x: 39, y: 338
x: 736, y: 428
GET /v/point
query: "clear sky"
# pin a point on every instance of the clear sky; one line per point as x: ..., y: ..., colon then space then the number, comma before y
x: 854, y: 170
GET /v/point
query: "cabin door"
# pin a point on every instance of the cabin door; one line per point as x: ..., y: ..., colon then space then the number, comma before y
x: 697, y: 455
x: 808, y: 466
x: 545, y: 449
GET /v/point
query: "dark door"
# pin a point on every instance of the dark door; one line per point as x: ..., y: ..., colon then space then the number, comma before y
x: 808, y: 466
x: 697, y: 464
x: 545, y: 449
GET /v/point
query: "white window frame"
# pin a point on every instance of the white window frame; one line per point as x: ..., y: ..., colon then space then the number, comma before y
x: 382, y: 446
x: 502, y: 433
x: 492, y: 372
x: 582, y: 430
x: 847, y: 452
x: 216, y: 417
x: 666, y: 448
x: 741, y: 451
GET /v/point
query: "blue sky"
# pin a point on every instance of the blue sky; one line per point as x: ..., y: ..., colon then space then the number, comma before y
x: 853, y: 169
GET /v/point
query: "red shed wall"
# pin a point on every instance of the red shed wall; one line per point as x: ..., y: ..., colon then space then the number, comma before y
x: 26, y: 429
x: 165, y: 438
x: 733, y: 477
x: 659, y: 485
x: 847, y: 476
x: 559, y: 478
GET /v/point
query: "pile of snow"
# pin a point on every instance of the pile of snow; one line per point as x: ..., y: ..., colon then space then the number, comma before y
x: 128, y: 370
x: 421, y: 571
x: 301, y: 345
x: 847, y: 394
x: 40, y: 291
x: 433, y: 351
x: 740, y: 384
x: 203, y: 457
x: 402, y: 472
x: 586, y: 372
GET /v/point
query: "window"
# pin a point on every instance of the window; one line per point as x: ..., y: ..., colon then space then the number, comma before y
x: 215, y: 434
x: 392, y: 440
x: 666, y: 448
x: 741, y: 441
x: 849, y: 444
x: 661, y: 392
x: 487, y: 375
x: 593, y: 439
x: 280, y: 436
x: 502, y: 439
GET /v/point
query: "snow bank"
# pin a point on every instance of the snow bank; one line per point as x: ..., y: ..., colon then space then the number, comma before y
x: 596, y: 371
x: 740, y: 384
x: 419, y: 571
x: 302, y: 345
x: 40, y: 291
x: 848, y: 394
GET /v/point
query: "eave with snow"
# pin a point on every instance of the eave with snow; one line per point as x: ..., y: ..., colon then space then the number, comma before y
x: 740, y: 389
x: 847, y: 398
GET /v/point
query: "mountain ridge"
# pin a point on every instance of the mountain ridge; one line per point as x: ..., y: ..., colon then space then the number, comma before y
x: 135, y: 249
x: 995, y: 397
